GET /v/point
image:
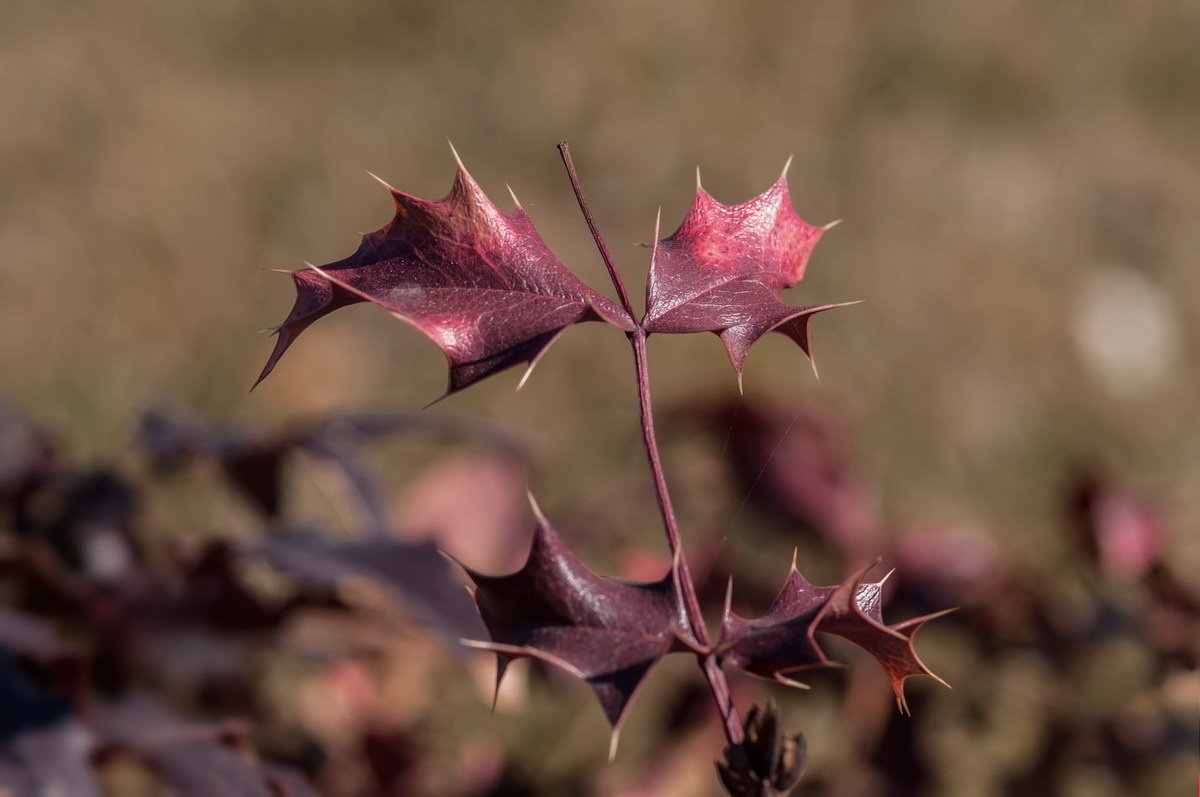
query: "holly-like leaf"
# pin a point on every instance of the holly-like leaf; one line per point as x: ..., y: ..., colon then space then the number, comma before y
x: 480, y: 283
x: 608, y: 631
x: 723, y: 271
x: 783, y: 640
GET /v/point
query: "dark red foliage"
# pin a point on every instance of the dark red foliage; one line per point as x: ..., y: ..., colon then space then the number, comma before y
x: 480, y: 283
x: 783, y: 640
x: 723, y: 271
x: 608, y: 631
x: 485, y: 288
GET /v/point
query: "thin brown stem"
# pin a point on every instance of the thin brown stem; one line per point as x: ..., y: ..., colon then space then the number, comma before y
x: 687, y: 587
x: 666, y: 509
x: 613, y: 274
x: 697, y: 630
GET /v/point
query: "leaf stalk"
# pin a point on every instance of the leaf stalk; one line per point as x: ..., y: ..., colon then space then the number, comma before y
x: 686, y: 587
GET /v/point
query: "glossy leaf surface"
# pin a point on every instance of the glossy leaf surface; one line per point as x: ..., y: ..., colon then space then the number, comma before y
x: 783, y: 641
x: 478, y: 282
x: 608, y: 631
x: 723, y: 270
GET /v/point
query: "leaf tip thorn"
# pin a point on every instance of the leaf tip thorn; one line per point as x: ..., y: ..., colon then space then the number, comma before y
x: 380, y: 180
x: 533, y: 504
x: 787, y: 165
x: 454, y: 152
x: 525, y: 376
x: 831, y: 225
x: 792, y: 682
x: 440, y: 398
x: 513, y: 194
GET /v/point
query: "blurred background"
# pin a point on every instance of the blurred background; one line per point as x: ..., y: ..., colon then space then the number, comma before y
x: 1018, y: 183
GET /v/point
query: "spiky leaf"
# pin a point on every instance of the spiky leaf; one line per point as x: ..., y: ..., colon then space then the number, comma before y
x: 723, y: 270
x: 608, y: 631
x: 480, y: 283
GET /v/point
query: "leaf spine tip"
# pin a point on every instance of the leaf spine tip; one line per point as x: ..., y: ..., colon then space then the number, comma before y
x: 475, y: 643
x: 525, y: 376
x: 380, y: 180
x: 533, y: 504
x: 454, y: 152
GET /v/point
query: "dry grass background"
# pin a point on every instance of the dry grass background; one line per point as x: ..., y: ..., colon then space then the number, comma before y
x: 1019, y: 181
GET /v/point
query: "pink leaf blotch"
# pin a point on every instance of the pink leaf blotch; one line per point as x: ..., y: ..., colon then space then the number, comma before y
x: 480, y: 283
x: 723, y: 271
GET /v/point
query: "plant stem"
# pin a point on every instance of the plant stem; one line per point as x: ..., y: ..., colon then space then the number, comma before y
x: 666, y: 509
x: 697, y: 629
x: 613, y: 274
x: 687, y: 587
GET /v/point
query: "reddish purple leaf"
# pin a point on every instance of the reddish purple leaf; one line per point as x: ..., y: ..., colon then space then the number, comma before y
x: 783, y: 640
x: 608, y: 631
x: 723, y: 270
x: 480, y: 283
